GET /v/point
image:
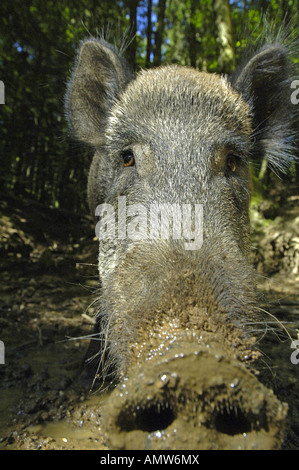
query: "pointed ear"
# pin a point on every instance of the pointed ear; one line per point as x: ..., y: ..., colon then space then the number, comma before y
x: 265, y: 83
x: 98, y: 76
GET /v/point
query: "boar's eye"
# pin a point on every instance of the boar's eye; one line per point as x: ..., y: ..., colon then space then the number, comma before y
x: 128, y: 157
x: 232, y: 162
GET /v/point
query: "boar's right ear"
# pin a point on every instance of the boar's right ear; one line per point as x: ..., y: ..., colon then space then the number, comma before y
x: 99, y: 74
x: 265, y: 83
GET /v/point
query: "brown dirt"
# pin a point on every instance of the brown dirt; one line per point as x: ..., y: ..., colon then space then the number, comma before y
x: 49, y: 280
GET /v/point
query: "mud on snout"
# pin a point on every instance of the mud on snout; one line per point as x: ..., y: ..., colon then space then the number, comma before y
x: 190, y: 392
x: 185, y: 360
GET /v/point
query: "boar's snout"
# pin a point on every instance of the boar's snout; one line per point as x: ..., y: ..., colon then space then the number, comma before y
x: 191, y: 394
x: 175, y: 135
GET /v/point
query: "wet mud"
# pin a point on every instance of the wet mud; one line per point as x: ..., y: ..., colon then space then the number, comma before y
x: 195, y: 395
x: 49, y: 282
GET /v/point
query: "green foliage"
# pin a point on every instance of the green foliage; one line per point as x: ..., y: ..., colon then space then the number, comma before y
x: 37, y: 48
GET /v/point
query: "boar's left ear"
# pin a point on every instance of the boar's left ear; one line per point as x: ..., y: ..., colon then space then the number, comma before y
x: 265, y: 84
x: 99, y: 74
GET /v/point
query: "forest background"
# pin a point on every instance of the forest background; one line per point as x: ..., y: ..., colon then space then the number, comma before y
x: 38, y: 157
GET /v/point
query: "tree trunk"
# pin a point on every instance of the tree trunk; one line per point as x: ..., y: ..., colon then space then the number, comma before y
x: 192, y: 36
x: 159, y: 33
x: 133, y: 4
x: 224, y: 37
x: 149, y: 32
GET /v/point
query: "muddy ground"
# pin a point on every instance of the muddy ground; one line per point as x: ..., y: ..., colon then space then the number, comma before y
x: 48, y: 286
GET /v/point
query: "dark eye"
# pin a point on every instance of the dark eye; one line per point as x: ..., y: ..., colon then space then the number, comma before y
x: 232, y: 162
x: 128, y: 158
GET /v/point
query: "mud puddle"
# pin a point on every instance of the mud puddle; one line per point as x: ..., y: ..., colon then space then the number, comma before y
x: 81, y: 430
x: 42, y: 403
x: 48, y: 284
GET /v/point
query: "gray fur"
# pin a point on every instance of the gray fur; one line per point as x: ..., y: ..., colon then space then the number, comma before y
x: 183, y: 126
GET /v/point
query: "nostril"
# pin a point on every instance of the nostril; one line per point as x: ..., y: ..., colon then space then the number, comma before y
x: 149, y: 418
x: 198, y: 399
x: 232, y: 422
